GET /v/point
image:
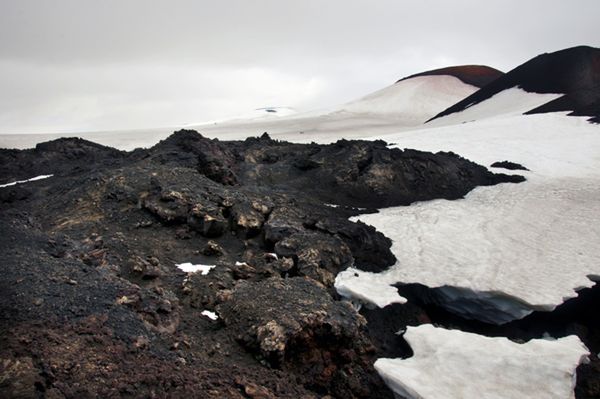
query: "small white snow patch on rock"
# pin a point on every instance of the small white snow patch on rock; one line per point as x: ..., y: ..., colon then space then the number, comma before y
x: 456, y: 364
x: 357, y: 285
x: 271, y: 255
x: 40, y: 177
x: 241, y: 264
x: 190, y: 268
x: 210, y: 315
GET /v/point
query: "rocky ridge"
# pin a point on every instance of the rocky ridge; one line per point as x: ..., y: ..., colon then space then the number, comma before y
x: 93, y: 303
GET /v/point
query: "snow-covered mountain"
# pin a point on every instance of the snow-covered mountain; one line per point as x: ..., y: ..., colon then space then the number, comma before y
x: 403, y: 105
x: 506, y: 251
x: 566, y: 80
x: 475, y: 75
x: 495, y: 256
x: 411, y: 101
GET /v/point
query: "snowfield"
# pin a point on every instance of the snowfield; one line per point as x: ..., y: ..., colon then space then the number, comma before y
x: 412, y: 101
x: 509, y: 102
x: 456, y: 364
x: 504, y: 250
x: 403, y: 105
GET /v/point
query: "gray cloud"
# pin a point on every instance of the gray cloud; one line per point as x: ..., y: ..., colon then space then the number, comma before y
x: 72, y: 65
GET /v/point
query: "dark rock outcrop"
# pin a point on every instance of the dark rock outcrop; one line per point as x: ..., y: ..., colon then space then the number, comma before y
x: 293, y: 324
x: 476, y: 75
x: 508, y: 165
x: 92, y: 303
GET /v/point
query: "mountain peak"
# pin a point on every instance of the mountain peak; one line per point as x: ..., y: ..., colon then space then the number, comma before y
x: 475, y: 75
x: 573, y: 72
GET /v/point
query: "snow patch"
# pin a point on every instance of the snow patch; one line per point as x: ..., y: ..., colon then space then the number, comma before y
x: 355, y: 284
x: 513, y: 101
x: 456, y: 364
x: 210, y: 315
x: 40, y: 177
x: 271, y: 255
x: 503, y: 250
x: 190, y: 268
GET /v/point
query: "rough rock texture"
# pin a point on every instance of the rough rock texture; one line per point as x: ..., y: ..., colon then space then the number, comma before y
x: 293, y: 323
x: 508, y: 165
x: 92, y: 304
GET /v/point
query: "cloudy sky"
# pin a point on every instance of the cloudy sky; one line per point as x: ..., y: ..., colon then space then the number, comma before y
x: 83, y: 65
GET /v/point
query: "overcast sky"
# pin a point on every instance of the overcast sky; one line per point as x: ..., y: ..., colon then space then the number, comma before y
x: 79, y: 65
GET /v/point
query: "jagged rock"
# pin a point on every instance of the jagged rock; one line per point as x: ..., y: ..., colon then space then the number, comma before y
x: 169, y: 206
x: 508, y: 165
x: 295, y: 325
x: 254, y: 391
x: 212, y: 249
x: 19, y: 378
x: 148, y: 269
x: 361, y: 173
x: 214, y: 169
x: 318, y: 256
x: 243, y: 271
x: 247, y: 221
x: 158, y: 308
x: 208, y: 221
x: 283, y: 222
x: 275, y: 314
x: 370, y: 248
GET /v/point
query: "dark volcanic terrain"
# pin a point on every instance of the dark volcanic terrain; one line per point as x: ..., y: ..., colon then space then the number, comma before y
x: 93, y: 305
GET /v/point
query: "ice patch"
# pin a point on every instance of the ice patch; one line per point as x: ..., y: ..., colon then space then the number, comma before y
x: 190, y: 268
x: 456, y: 364
x: 40, y: 177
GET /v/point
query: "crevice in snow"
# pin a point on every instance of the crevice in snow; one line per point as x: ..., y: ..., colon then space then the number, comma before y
x: 490, y: 307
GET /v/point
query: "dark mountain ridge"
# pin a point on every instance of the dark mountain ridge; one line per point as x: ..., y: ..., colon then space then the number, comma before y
x: 475, y: 75
x: 573, y: 72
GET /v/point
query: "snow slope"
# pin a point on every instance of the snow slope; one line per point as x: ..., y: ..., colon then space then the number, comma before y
x: 412, y: 101
x: 504, y: 250
x: 456, y: 364
x: 401, y: 106
x: 574, y: 72
x: 513, y: 101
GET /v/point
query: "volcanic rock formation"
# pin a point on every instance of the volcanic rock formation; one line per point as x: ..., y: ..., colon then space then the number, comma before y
x: 93, y: 304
